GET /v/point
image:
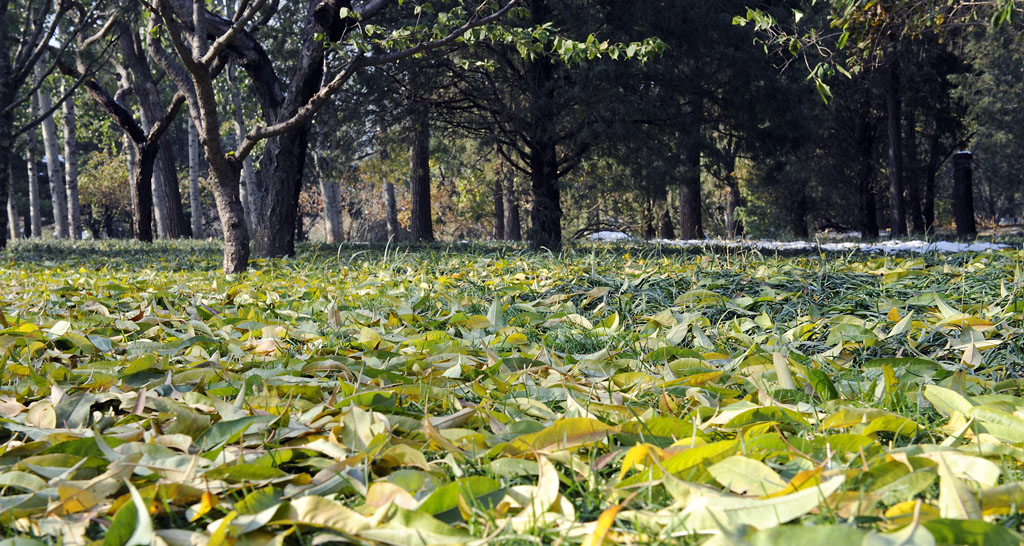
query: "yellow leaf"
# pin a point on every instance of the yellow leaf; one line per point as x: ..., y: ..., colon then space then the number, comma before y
x: 562, y: 434
x: 638, y: 454
x: 221, y: 532
x: 604, y: 523
x: 207, y: 502
x: 477, y: 322
x: 893, y: 315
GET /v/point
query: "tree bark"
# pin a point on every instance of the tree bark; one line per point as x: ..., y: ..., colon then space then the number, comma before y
x: 499, y: 211
x: 865, y: 173
x: 168, y: 211
x: 58, y: 190
x: 665, y: 230
x: 690, y: 224
x: 912, y: 168
x: 732, y: 203
x: 275, y: 193
x: 931, y: 169
x: 34, y: 198
x: 391, y: 212
x: 238, y: 118
x: 420, y: 224
x: 897, y: 214
x: 963, y: 195
x: 71, y: 168
x: 546, y: 214
x: 332, y: 211
x: 513, y: 224
x: 194, y: 191
x: 12, y: 210
x: 142, y: 196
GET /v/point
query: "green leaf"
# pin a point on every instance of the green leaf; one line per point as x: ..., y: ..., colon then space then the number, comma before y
x: 971, y: 533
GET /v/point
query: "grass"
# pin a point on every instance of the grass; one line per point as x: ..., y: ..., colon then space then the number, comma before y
x: 485, y: 393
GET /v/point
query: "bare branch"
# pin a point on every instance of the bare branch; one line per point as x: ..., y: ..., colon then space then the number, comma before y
x: 236, y: 26
x: 305, y: 113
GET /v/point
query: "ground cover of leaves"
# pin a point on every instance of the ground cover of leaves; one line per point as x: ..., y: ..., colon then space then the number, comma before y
x: 606, y: 395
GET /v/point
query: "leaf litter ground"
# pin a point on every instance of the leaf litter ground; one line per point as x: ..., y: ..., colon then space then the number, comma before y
x: 471, y: 395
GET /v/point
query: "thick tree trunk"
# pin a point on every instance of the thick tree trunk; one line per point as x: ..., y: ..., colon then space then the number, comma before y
x: 912, y: 168
x: 391, y: 211
x: 194, y: 191
x: 513, y: 224
x: 546, y: 214
x: 963, y: 195
x: 420, y: 224
x: 275, y: 193
x: 58, y: 190
x: 690, y: 224
x: 897, y: 215
x: 142, y: 196
x: 232, y: 217
x: 71, y: 168
x: 499, y: 211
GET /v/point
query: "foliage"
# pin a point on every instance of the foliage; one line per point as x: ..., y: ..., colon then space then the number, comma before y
x: 104, y: 193
x: 479, y: 394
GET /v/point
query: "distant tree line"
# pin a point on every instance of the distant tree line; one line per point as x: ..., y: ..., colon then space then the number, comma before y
x: 265, y: 122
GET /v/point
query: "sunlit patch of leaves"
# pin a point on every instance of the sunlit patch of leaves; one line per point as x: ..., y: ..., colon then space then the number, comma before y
x: 476, y: 394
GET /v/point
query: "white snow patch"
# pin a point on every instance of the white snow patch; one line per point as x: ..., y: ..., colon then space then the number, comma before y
x: 608, y: 236
x: 887, y: 247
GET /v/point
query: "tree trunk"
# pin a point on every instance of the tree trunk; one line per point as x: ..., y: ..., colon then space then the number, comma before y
x: 798, y: 215
x: 391, y: 211
x: 142, y: 196
x: 194, y: 191
x: 898, y: 223
x: 665, y: 229
x: 168, y: 211
x: 238, y: 118
x: 864, y: 142
x: 232, y: 217
x: 690, y: 224
x: 12, y: 210
x: 732, y: 203
x: 546, y: 214
x: 513, y: 225
x: 8, y: 91
x: 913, y: 173
x: 58, y: 190
x: 131, y: 157
x: 929, y: 182
x: 332, y: 211
x: 275, y: 193
x: 71, y: 168
x: 420, y: 224
x: 35, y: 209
x: 963, y: 195
x: 499, y: 211
x: 156, y: 184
